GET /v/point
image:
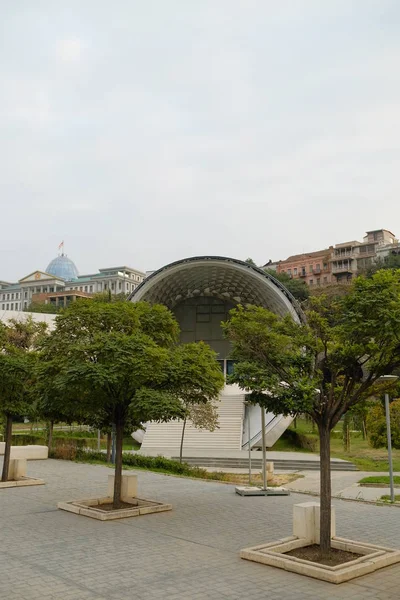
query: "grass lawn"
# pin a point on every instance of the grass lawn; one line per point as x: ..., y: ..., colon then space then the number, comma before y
x: 380, y: 479
x: 387, y: 498
x: 360, y: 453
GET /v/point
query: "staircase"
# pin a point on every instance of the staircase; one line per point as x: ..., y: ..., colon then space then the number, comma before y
x: 275, y: 426
x: 164, y: 436
x: 256, y: 463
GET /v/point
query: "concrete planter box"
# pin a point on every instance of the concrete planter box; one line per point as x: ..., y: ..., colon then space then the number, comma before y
x: 17, y: 475
x: 306, y: 523
x: 30, y: 452
x: 92, y: 507
x: 21, y: 482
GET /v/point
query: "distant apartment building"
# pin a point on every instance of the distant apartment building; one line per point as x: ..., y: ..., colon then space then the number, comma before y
x: 349, y: 259
x: 314, y: 268
x: 339, y: 263
x: 61, y: 284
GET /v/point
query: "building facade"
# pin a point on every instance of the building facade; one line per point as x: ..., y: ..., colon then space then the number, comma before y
x: 200, y: 291
x: 350, y: 259
x: 314, y: 268
x: 339, y: 263
x: 62, y: 276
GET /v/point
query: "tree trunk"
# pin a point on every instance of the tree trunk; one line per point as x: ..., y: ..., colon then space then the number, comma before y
x: 7, y: 450
x: 346, y: 432
x: 183, y: 434
x: 325, y: 490
x: 119, y: 430
x: 109, y: 446
x: 364, y: 428
x: 50, y: 437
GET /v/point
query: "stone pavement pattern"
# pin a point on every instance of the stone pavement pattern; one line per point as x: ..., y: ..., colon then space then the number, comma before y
x: 190, y: 553
x: 344, y: 485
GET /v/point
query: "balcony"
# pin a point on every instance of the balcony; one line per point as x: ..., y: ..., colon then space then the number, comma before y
x: 342, y: 268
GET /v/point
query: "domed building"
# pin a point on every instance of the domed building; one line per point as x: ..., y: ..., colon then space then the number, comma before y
x: 63, y: 267
x: 201, y: 291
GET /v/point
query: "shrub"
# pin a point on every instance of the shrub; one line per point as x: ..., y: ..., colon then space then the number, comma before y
x: 376, y: 425
x: 147, y: 462
x: 25, y: 439
x: 300, y: 440
x: 65, y: 452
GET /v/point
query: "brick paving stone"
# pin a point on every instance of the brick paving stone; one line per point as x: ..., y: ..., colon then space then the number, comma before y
x: 190, y: 553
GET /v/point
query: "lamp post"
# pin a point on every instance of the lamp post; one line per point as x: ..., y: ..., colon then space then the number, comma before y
x: 389, y: 378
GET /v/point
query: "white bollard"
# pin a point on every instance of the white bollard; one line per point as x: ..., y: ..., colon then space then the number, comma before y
x: 17, y: 469
x: 128, y: 487
x: 306, y: 522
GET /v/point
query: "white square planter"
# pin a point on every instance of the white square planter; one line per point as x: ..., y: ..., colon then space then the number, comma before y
x: 306, y: 533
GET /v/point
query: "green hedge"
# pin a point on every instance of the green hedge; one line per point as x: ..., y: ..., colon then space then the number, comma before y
x: 152, y: 463
x: 300, y: 440
x: 24, y: 439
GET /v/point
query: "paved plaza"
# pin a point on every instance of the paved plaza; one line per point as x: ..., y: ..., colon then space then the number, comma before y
x: 189, y: 553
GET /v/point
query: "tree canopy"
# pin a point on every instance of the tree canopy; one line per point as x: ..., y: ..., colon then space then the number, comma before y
x: 297, y: 287
x: 18, y: 341
x: 119, y: 363
x: 324, y: 367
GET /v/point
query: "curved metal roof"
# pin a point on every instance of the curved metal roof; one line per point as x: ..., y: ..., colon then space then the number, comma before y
x: 219, y: 277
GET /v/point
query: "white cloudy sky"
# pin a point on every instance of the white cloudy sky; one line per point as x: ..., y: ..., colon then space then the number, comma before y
x: 141, y: 132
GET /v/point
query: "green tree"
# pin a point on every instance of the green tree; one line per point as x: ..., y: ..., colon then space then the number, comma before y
x: 376, y: 424
x: 41, y: 307
x: 118, y: 364
x: 297, y: 287
x: 322, y: 368
x: 251, y: 262
x: 18, y: 341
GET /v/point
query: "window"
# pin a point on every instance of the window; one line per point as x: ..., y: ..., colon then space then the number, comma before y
x: 325, y: 280
x: 8, y: 307
x: 318, y: 268
x: 318, y: 281
x: 2, y: 307
x: 91, y: 288
x: 25, y: 296
x: 325, y: 266
x: 12, y: 306
x: 51, y: 289
x: 12, y: 296
x: 294, y: 271
x: 310, y: 269
x: 85, y: 288
x: 105, y: 286
x: 8, y: 296
x: 289, y: 271
x: 81, y: 289
x: 311, y: 282
x: 112, y: 286
x: 120, y: 286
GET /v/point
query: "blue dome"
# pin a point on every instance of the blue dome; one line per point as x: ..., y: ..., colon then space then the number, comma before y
x: 63, y: 267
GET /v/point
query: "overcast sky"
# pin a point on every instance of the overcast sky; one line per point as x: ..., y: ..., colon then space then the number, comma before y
x: 142, y: 132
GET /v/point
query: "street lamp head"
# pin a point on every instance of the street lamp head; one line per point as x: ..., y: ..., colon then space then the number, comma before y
x: 388, y: 378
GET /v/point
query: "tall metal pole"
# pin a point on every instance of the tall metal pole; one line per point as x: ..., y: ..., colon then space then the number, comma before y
x: 389, y: 445
x: 248, y: 428
x: 264, y: 456
x: 98, y: 440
